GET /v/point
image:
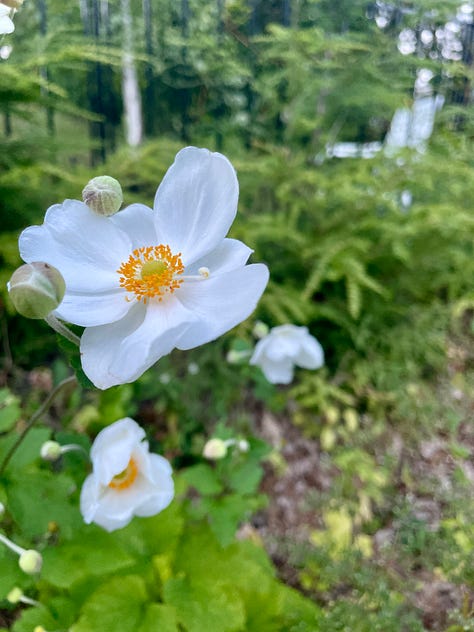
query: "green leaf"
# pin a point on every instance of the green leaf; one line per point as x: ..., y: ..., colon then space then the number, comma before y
x: 245, y: 477
x: 28, y: 451
x: 203, y: 478
x: 159, y: 617
x: 39, y: 497
x: 116, y: 606
x: 10, y: 575
x: 9, y: 410
x: 32, y: 617
x: 93, y: 553
x: 225, y: 515
x: 205, y: 607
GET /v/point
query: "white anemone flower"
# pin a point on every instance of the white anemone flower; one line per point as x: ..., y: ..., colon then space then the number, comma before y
x: 6, y: 23
x: 126, y: 480
x: 283, y: 348
x: 145, y: 281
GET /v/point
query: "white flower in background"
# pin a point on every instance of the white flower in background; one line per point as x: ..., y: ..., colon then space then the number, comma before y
x: 6, y: 23
x: 283, y: 348
x: 143, y: 282
x: 126, y: 479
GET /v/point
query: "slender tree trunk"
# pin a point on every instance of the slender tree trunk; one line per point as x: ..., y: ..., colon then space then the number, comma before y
x: 149, y: 102
x: 130, y: 90
x: 43, y: 24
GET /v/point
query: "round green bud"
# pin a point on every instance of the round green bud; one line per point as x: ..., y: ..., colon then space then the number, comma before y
x: 260, y: 330
x: 50, y: 451
x: 103, y: 195
x: 36, y: 289
x: 15, y: 595
x: 30, y: 562
x: 215, y: 449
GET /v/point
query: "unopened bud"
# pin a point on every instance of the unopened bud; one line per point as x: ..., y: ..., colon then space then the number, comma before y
x: 243, y: 445
x: 15, y: 595
x: 30, y: 562
x: 103, y: 195
x: 50, y: 451
x: 236, y: 357
x: 260, y: 329
x: 215, y: 449
x: 36, y: 289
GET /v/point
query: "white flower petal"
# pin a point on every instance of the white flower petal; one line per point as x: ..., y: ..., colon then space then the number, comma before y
x: 162, y: 487
x: 137, y: 221
x: 6, y: 24
x: 91, y: 310
x: 120, y: 352
x: 221, y: 302
x: 229, y: 255
x: 86, y: 248
x: 196, y: 203
x: 278, y: 372
x: 123, y: 435
x: 311, y: 355
x: 89, y: 498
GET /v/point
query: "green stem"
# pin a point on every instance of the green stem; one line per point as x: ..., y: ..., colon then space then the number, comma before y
x: 41, y: 410
x: 61, y: 328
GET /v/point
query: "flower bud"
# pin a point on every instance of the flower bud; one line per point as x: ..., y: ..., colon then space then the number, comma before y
x: 30, y: 562
x: 36, y: 289
x: 260, y: 329
x: 236, y: 357
x: 243, y: 445
x: 215, y: 449
x: 50, y: 451
x: 103, y: 195
x: 15, y: 595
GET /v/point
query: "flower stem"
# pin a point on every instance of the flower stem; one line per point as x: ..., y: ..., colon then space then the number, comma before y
x: 11, y: 545
x: 41, y: 410
x: 61, y: 328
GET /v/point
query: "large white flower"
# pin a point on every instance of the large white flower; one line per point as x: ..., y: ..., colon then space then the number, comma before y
x: 143, y: 282
x: 283, y: 348
x: 6, y: 23
x: 126, y: 479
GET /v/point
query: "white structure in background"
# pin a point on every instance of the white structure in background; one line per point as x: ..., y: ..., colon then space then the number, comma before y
x: 132, y: 104
x: 410, y: 127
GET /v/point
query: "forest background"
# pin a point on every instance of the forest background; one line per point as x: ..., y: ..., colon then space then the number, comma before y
x: 353, y: 508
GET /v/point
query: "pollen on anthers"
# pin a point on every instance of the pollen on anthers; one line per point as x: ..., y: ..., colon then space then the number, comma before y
x: 151, y: 272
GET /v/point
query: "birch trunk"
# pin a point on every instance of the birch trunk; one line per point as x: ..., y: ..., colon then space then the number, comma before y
x: 130, y: 90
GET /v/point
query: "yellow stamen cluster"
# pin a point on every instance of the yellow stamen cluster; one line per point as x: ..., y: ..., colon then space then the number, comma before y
x: 151, y: 272
x: 126, y: 478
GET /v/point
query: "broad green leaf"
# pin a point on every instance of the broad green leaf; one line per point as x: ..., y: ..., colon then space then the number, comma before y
x: 36, y: 498
x: 203, y: 478
x: 200, y: 607
x: 10, y: 575
x: 9, y: 410
x: 35, y: 616
x: 159, y: 618
x: 94, y: 552
x: 245, y: 477
x: 116, y: 606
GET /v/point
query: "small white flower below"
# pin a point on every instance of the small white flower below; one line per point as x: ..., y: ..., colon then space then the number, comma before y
x: 6, y: 23
x: 126, y: 480
x: 283, y: 348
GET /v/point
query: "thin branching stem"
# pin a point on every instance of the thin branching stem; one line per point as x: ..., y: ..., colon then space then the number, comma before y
x: 41, y: 410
